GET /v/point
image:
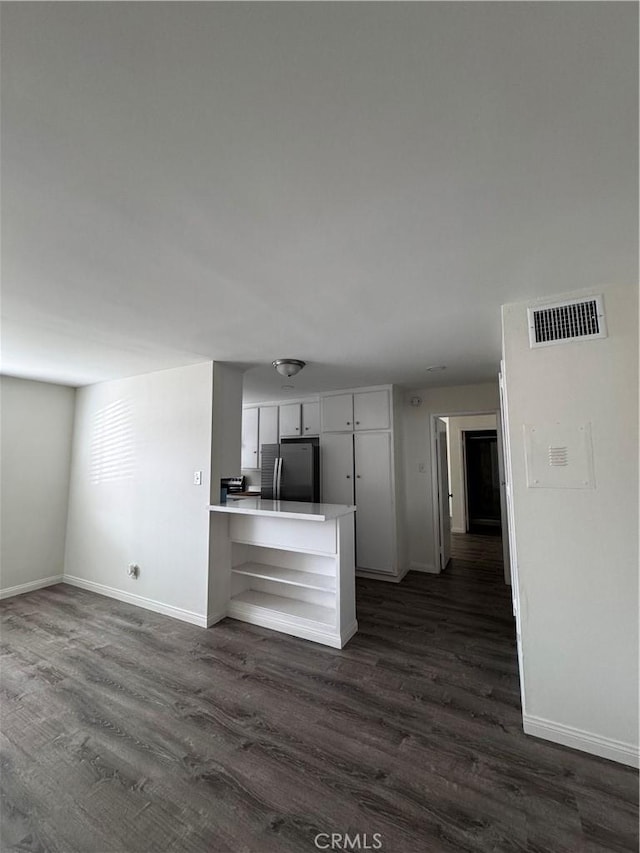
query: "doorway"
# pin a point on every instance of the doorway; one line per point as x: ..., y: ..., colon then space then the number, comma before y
x: 482, y: 482
x: 468, y: 488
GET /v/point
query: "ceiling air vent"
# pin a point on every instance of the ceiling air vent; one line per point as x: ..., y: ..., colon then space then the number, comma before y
x: 576, y: 319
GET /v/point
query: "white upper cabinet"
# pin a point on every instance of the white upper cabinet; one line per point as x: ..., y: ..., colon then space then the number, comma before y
x: 310, y: 418
x: 267, y: 428
x: 290, y: 422
x: 337, y: 413
x: 249, y: 452
x: 359, y: 411
x: 371, y: 410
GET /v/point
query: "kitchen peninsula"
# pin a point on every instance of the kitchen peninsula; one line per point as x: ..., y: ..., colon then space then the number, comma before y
x: 287, y: 565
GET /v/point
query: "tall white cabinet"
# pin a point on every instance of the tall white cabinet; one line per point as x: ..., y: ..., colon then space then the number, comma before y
x: 358, y: 456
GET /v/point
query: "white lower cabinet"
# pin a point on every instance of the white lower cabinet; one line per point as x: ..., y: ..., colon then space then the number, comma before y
x: 375, y: 539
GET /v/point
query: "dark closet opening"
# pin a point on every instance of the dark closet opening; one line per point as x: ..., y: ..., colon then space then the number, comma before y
x: 483, y: 481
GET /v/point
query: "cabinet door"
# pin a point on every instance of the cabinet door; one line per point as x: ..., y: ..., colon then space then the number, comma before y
x: 249, y: 452
x: 336, y: 456
x: 267, y: 428
x: 290, y: 420
x: 310, y: 418
x: 337, y: 413
x: 375, y: 545
x: 371, y: 410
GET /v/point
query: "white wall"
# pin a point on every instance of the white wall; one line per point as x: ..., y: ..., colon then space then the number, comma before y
x: 577, y: 549
x: 417, y: 443
x: 137, y: 443
x: 225, y: 462
x: 37, y: 428
x: 226, y: 425
x: 455, y: 429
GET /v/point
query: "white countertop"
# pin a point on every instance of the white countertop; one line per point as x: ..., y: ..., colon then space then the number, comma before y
x: 283, y: 509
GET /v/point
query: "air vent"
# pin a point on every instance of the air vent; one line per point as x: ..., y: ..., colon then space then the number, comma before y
x: 558, y: 457
x: 576, y: 319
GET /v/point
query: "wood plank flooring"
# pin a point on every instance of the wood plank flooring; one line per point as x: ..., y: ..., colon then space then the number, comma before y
x: 124, y: 730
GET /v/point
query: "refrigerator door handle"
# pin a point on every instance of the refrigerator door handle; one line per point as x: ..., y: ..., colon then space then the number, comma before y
x: 275, y: 478
x: 279, y: 465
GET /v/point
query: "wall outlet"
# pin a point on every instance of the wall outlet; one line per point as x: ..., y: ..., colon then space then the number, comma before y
x: 197, y: 478
x: 133, y: 571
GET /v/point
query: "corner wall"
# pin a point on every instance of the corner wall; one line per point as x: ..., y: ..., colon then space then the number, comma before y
x: 577, y: 549
x: 137, y: 443
x: 459, y: 399
x: 37, y: 428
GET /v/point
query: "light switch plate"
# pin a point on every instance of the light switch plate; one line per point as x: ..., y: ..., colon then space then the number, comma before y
x: 559, y: 456
x: 197, y: 478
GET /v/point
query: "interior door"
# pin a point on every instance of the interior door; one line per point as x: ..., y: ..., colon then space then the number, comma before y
x: 336, y: 453
x: 374, y: 502
x: 444, y: 545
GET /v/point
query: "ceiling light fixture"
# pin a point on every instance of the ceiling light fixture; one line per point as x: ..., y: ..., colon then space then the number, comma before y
x: 288, y: 366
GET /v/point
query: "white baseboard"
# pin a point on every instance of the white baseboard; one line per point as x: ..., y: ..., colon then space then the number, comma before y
x: 423, y: 567
x: 212, y: 618
x: 378, y: 576
x: 21, y: 588
x: 614, y: 750
x: 345, y: 636
x: 138, y: 600
x: 458, y: 530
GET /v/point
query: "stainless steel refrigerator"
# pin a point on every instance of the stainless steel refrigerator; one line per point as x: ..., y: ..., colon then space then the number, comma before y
x: 290, y: 471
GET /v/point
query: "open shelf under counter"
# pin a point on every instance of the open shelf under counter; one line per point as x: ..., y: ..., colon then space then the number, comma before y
x: 287, y: 566
x: 293, y: 577
x: 278, y: 604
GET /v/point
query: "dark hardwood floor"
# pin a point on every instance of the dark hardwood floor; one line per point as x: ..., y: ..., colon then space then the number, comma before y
x: 123, y: 730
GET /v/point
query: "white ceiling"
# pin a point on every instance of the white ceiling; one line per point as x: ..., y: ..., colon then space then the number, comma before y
x: 359, y: 185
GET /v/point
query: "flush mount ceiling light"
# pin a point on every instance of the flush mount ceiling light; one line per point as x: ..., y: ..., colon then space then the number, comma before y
x: 288, y: 366
x: 435, y: 368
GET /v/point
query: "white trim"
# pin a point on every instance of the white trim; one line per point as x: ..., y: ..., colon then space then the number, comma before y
x: 614, y: 750
x: 458, y: 530
x: 427, y: 568
x: 213, y: 618
x: 138, y: 601
x: 379, y: 576
x: 21, y: 588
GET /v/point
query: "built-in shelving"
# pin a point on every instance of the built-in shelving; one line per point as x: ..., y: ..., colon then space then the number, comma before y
x: 307, y: 580
x: 251, y: 599
x: 289, y: 567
